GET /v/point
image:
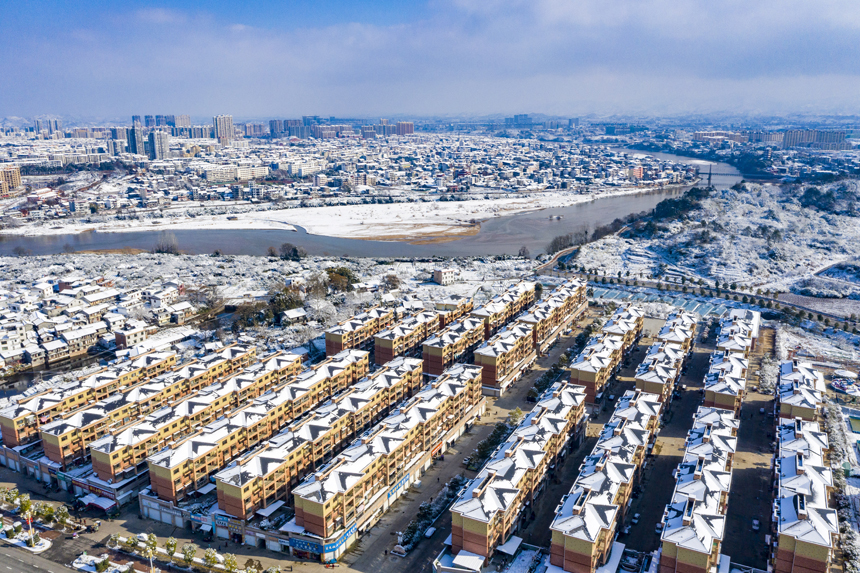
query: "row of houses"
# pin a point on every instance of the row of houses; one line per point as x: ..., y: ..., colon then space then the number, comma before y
x: 694, y: 522
x: 67, y: 441
x: 665, y: 359
x: 600, y: 359
x: 585, y: 523
x: 804, y: 526
x: 303, y: 445
x: 21, y: 421
x: 511, y: 350
x: 361, y: 330
x: 492, y: 507
x: 127, y: 451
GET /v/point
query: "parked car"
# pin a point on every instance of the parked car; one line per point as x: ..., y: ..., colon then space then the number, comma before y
x: 612, y: 397
x: 659, y: 529
x: 683, y: 386
x: 756, y: 525
x: 635, y: 519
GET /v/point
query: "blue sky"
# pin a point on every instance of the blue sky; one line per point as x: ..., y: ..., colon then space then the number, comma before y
x: 565, y: 57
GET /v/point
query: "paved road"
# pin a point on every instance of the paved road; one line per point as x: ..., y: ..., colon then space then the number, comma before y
x: 14, y: 559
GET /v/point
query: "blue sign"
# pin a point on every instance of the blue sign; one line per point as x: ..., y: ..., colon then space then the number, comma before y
x: 393, y: 491
x: 222, y: 520
x: 303, y: 545
x: 313, y: 547
x: 336, y: 545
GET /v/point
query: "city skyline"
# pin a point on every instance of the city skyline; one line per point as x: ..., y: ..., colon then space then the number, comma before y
x: 445, y: 57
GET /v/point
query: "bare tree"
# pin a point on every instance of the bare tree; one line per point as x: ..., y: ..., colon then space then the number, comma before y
x: 167, y: 244
x: 524, y: 252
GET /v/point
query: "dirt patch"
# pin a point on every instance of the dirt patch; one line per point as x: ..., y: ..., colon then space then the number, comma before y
x: 418, y: 238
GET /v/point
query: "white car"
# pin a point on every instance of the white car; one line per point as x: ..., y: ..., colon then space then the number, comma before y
x: 635, y: 519
x: 756, y: 525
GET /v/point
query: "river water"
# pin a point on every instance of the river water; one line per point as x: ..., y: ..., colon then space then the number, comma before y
x: 498, y: 236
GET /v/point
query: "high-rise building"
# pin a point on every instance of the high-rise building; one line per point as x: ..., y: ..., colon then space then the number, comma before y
x: 573, y: 122
x: 136, y: 141
x: 254, y: 130
x: 405, y: 128
x: 159, y: 145
x: 276, y: 127
x: 149, y: 121
x: 183, y: 121
x: 160, y: 120
x: 223, y: 127
x: 119, y: 133
x: 11, y: 175
x: 37, y: 126
x: 54, y: 125
x: 136, y: 121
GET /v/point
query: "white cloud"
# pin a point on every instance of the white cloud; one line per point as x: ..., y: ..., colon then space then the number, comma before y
x: 479, y: 56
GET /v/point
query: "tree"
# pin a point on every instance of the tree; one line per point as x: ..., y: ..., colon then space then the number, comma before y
x: 271, y: 252
x: 152, y: 541
x: 113, y: 540
x: 391, y: 282
x: 148, y: 553
x: 67, y: 248
x: 290, y: 252
x: 287, y: 298
x: 24, y: 503
x: 189, y: 550
x: 62, y: 514
x: 515, y: 416
x: 524, y: 252
x: 230, y: 563
x: 20, y: 251
x: 170, y: 546
x: 341, y: 279
x: 167, y: 244
x: 132, y: 542
x: 210, y: 558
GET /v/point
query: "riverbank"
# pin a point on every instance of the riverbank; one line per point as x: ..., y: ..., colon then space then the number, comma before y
x: 413, y: 221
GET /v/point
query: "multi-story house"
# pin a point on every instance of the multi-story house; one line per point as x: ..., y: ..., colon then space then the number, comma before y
x: 583, y: 530
x: 454, y: 344
x: 505, y: 356
x: 405, y: 337
x: 680, y: 329
x: 358, y: 331
x: 490, y: 509
x: 549, y: 316
x: 310, y: 442
x: 596, y: 363
x: 660, y: 369
x: 804, y: 526
x: 350, y: 494
x: 725, y: 382
x: 800, y: 390
x: 21, y: 422
x: 693, y: 524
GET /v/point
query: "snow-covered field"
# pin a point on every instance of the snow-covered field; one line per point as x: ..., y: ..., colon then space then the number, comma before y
x: 759, y: 236
x: 254, y: 220
x: 381, y: 220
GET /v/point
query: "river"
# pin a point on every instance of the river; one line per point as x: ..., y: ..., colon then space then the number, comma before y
x: 497, y: 236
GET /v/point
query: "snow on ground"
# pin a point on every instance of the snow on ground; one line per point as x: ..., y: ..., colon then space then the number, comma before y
x: 434, y: 218
x: 254, y: 220
x: 759, y: 236
x: 381, y: 220
x: 837, y: 346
